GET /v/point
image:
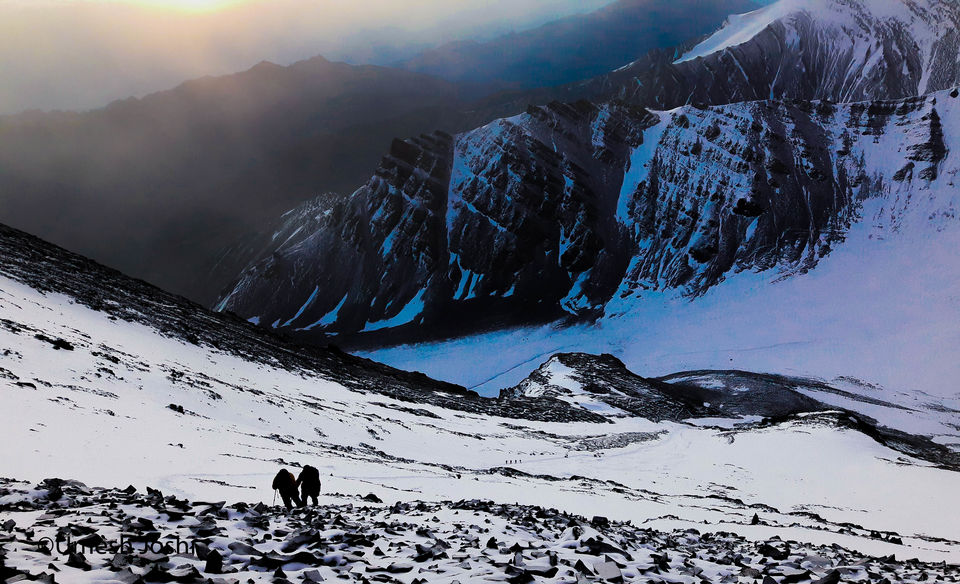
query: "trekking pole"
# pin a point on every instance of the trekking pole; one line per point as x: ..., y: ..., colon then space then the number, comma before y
x: 274, y: 497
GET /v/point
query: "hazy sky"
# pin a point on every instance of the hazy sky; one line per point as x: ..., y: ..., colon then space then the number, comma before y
x: 81, y: 54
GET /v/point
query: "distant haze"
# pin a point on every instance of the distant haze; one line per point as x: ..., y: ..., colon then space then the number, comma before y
x: 82, y: 54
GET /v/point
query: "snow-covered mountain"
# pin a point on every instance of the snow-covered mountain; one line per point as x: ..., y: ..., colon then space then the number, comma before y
x: 837, y: 50
x: 204, y: 407
x: 566, y: 208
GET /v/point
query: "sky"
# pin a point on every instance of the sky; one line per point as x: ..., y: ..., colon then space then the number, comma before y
x: 83, y: 54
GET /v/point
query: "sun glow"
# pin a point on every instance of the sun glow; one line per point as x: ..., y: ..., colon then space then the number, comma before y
x: 188, y: 5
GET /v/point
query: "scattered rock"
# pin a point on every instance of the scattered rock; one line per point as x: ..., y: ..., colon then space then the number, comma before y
x: 832, y: 578
x: 600, y: 522
x: 608, y: 571
x: 214, y: 562
x: 354, y: 541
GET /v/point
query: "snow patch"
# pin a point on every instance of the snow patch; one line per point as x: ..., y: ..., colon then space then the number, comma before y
x: 407, y: 314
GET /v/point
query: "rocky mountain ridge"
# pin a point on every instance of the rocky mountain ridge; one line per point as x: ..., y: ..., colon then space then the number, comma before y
x: 603, y: 386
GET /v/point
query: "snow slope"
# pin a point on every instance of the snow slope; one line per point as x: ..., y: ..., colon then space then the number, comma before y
x: 741, y: 28
x: 879, y: 308
x: 87, y: 395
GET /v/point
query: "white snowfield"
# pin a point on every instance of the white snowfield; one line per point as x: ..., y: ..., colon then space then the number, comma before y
x: 99, y: 413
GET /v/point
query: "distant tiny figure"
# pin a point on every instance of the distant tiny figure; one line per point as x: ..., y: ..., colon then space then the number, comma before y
x: 286, y: 484
x: 309, y: 483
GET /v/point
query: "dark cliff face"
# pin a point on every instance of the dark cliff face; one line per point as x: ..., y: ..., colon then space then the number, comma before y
x: 765, y: 185
x: 556, y: 212
x: 517, y: 216
x: 751, y: 186
x: 381, y: 246
x: 532, y: 203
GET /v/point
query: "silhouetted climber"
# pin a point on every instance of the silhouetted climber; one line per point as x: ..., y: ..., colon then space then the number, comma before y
x: 287, y: 485
x: 309, y: 482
